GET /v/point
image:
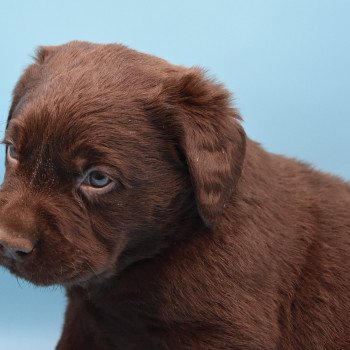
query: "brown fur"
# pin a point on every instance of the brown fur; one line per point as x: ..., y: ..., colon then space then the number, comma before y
x: 206, y: 241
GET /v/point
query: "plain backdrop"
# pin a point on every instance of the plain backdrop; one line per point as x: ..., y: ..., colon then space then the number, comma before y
x: 287, y: 63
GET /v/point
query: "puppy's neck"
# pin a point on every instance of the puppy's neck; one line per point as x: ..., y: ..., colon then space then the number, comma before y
x: 139, y: 254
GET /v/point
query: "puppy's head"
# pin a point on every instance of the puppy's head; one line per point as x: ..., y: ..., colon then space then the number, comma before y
x: 111, y: 154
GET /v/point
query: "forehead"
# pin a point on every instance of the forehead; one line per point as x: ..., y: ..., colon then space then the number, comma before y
x: 78, y: 133
x: 86, y: 100
x: 85, y: 85
x: 70, y: 100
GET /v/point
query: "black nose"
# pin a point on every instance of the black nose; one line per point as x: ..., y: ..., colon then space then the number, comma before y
x: 13, y: 247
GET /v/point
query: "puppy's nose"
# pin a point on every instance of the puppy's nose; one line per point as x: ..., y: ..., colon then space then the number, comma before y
x: 15, y: 247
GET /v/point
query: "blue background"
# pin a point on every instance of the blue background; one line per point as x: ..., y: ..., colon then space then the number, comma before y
x: 286, y: 61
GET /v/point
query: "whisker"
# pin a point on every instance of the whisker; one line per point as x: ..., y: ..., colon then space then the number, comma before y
x: 18, y: 282
x: 94, y: 272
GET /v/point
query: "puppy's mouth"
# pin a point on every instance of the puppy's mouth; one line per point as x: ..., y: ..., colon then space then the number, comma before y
x: 42, y: 275
x: 16, y: 268
x: 8, y: 264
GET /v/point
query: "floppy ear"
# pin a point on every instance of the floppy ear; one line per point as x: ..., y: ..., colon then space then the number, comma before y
x: 44, y: 52
x: 210, y: 137
x: 27, y: 79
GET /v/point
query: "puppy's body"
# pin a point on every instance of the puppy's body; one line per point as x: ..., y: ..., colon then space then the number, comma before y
x: 284, y: 288
x: 206, y: 241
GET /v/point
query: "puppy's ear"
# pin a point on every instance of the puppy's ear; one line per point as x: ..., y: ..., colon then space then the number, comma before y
x: 43, y: 53
x: 27, y: 80
x: 210, y: 136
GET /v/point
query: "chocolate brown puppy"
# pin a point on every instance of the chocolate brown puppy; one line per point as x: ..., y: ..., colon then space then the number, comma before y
x: 131, y: 182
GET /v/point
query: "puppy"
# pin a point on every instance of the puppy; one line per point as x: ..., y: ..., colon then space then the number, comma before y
x: 130, y: 182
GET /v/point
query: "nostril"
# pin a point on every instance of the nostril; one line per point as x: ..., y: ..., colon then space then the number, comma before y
x: 16, y: 248
x: 21, y: 254
x: 24, y: 249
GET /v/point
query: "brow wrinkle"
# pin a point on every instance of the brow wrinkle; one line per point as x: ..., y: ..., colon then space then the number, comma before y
x: 36, y: 168
x: 37, y: 163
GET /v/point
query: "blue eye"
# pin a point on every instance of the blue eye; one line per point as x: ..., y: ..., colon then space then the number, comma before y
x: 11, y: 152
x: 97, y: 179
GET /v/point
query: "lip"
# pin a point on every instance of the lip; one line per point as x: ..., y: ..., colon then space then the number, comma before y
x: 18, y: 269
x: 10, y: 265
x: 6, y: 261
x: 92, y: 277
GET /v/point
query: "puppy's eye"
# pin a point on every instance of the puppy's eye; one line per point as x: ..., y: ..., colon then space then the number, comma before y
x: 12, y: 153
x: 97, y: 179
